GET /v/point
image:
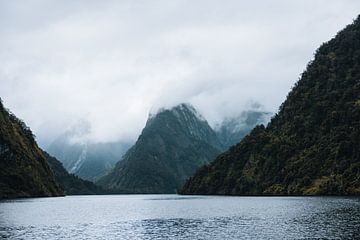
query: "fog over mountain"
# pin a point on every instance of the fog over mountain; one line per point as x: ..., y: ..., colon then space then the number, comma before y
x: 113, y: 62
x: 86, y: 159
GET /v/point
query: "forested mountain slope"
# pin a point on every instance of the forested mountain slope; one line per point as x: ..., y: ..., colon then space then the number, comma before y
x: 173, y: 144
x: 72, y: 184
x: 24, y: 171
x: 312, y: 146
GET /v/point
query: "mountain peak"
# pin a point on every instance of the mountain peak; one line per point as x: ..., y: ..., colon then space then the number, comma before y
x: 182, y: 108
x: 187, y: 108
x: 173, y: 144
x: 185, y: 117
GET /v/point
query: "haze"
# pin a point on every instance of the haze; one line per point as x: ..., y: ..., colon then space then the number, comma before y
x: 110, y: 63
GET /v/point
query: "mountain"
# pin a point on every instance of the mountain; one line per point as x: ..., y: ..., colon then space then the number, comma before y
x: 232, y: 130
x: 24, y: 171
x: 312, y: 146
x: 72, y: 184
x: 85, y: 159
x: 173, y: 144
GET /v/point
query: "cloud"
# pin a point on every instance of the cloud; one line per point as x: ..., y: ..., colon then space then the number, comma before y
x: 112, y: 62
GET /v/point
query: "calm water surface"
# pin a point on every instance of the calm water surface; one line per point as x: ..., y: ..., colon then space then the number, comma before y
x: 180, y: 217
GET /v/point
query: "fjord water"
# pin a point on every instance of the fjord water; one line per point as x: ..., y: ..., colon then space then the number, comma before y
x: 180, y: 217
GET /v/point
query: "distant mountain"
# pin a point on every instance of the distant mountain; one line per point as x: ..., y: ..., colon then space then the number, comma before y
x: 232, y: 130
x: 87, y: 160
x: 173, y: 144
x: 72, y: 184
x: 312, y: 146
x: 24, y: 171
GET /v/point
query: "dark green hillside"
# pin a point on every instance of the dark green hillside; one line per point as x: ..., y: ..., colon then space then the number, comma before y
x: 72, y: 184
x: 312, y: 146
x: 173, y: 144
x: 24, y: 171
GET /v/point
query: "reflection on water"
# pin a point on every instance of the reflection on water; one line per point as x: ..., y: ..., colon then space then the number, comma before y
x: 180, y: 217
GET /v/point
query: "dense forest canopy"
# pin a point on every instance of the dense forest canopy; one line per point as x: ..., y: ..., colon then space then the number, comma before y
x: 312, y: 145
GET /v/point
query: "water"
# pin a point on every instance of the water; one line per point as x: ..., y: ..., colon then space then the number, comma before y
x: 180, y: 217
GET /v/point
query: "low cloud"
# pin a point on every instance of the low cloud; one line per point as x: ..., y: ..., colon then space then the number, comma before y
x: 113, y: 62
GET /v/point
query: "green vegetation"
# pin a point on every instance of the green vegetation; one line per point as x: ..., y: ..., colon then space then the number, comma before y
x: 28, y: 171
x: 24, y: 171
x: 72, y: 184
x: 312, y: 146
x: 173, y: 144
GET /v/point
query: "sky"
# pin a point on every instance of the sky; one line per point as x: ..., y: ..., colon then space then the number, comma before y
x: 111, y: 63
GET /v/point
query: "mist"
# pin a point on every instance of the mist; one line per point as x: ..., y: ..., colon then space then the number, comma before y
x: 111, y: 63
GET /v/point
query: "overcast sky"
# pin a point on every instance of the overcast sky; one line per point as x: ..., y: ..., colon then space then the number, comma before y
x: 111, y: 62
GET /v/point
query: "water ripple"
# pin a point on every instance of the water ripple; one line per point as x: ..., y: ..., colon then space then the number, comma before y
x: 121, y: 217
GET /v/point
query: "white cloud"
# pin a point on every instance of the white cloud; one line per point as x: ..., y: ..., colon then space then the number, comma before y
x: 112, y: 62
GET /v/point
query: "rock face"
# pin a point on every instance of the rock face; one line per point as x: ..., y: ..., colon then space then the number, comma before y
x: 24, y: 171
x: 87, y: 160
x: 72, y: 184
x: 173, y: 144
x: 312, y: 146
x: 232, y: 130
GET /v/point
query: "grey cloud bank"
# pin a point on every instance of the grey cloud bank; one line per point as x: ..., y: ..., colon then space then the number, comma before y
x: 112, y: 62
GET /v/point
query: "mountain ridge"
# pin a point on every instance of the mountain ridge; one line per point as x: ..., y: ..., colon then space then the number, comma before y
x: 72, y: 184
x: 311, y: 146
x: 173, y: 143
x: 24, y: 171
x: 231, y: 130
